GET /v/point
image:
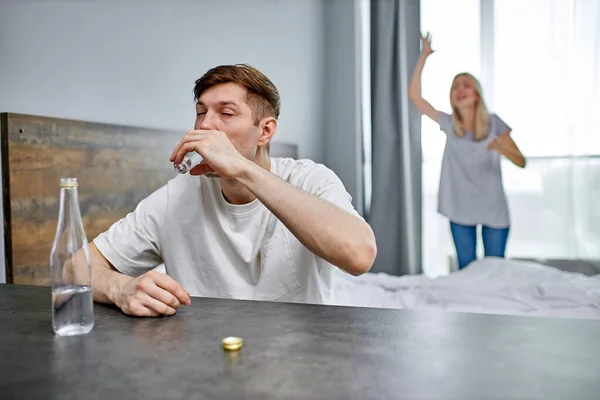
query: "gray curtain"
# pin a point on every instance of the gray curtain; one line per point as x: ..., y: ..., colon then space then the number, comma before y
x: 395, y: 213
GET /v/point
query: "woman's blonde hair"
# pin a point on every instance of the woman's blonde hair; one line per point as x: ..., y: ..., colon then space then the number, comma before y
x: 482, y: 116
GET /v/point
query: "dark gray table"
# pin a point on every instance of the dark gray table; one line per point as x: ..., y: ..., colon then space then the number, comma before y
x: 294, y: 351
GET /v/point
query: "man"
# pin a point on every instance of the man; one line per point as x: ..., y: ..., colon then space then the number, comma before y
x: 239, y: 225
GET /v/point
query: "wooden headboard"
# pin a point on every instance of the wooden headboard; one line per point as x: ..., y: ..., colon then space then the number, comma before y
x: 116, y: 166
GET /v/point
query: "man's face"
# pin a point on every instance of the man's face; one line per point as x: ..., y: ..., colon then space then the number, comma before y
x: 223, y: 108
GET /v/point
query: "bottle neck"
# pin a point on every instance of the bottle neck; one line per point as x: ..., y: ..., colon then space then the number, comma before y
x: 69, y: 214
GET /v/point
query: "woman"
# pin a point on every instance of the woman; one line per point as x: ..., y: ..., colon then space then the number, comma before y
x: 471, y: 191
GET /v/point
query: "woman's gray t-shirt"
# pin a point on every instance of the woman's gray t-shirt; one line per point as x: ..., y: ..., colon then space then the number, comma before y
x: 471, y: 190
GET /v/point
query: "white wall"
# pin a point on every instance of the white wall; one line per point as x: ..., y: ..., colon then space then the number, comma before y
x: 134, y: 62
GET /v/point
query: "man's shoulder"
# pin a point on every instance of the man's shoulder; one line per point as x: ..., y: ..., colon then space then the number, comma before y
x: 297, y: 171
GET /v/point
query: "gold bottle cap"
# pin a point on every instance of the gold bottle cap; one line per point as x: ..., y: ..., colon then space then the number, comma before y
x: 68, y: 182
x: 232, y: 343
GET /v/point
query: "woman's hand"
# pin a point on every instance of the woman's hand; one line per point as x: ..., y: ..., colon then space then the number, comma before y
x: 505, y: 145
x: 426, y: 45
x: 500, y: 143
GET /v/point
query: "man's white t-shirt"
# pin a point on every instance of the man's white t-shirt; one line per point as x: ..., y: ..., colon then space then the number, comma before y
x: 217, y: 249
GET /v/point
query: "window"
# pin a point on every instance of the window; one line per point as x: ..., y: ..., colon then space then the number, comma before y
x: 540, y: 66
x: 457, y: 49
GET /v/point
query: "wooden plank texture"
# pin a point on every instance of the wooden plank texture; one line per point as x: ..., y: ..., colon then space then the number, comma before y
x: 117, y: 166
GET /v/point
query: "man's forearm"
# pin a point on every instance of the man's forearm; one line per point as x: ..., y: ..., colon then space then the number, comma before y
x: 328, y: 231
x: 106, y: 281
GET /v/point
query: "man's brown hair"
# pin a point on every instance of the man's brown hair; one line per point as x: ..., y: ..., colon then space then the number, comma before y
x: 263, y: 96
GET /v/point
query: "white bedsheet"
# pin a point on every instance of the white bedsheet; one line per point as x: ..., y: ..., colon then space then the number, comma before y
x: 492, y: 286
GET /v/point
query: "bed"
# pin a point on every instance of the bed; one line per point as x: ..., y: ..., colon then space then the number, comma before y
x: 491, y: 286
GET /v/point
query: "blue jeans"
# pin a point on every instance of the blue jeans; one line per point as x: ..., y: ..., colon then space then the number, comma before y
x: 465, y: 241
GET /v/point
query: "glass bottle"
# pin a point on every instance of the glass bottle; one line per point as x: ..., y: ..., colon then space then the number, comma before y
x: 70, y: 268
